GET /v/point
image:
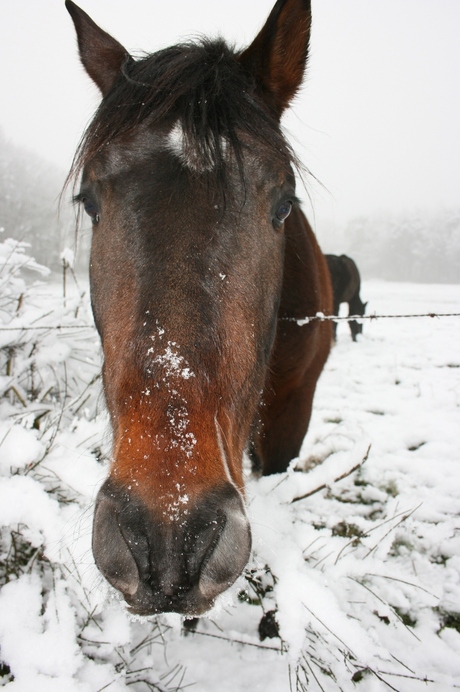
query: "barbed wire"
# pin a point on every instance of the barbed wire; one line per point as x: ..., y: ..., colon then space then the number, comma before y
x: 47, y: 327
x: 301, y: 321
x: 352, y: 318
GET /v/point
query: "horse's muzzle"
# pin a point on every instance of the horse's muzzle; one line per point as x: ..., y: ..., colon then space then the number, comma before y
x: 170, y: 560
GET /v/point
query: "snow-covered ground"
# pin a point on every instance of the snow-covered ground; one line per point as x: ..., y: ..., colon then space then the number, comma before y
x: 364, y: 574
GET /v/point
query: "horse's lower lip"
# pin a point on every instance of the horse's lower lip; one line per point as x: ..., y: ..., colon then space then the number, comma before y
x: 150, y: 604
x: 149, y: 611
x: 144, y: 612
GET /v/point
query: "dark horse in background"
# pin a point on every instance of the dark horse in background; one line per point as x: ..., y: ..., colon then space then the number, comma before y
x: 346, y: 285
x: 201, y: 262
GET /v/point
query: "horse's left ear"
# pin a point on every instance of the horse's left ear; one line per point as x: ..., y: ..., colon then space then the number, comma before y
x: 102, y: 56
x: 277, y: 57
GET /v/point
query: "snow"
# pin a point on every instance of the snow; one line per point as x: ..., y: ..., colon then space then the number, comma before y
x: 363, y: 572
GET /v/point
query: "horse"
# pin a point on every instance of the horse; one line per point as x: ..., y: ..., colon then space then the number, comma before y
x: 201, y: 262
x: 346, y: 285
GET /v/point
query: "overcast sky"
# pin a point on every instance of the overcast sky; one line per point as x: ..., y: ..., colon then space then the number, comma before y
x: 377, y: 121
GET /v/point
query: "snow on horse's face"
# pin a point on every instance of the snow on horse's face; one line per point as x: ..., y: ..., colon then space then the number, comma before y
x: 188, y: 181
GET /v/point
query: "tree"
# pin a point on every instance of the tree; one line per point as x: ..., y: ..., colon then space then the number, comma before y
x: 418, y: 247
x: 29, y: 201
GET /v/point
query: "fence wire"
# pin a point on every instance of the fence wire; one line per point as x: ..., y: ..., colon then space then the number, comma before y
x: 300, y: 321
x: 358, y: 318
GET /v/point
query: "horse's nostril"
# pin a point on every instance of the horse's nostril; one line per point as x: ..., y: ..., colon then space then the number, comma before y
x: 111, y: 551
x: 202, y: 541
x: 228, y: 548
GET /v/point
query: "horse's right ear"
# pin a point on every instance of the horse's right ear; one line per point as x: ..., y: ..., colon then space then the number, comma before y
x: 102, y: 56
x: 277, y: 57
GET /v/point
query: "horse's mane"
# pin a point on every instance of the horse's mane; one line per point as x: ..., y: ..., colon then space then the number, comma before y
x: 199, y: 84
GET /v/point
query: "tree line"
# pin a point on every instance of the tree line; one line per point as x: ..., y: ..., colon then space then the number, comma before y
x: 418, y: 247
x: 31, y: 209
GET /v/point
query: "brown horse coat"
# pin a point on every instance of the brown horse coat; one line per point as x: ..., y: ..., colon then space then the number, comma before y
x: 201, y: 262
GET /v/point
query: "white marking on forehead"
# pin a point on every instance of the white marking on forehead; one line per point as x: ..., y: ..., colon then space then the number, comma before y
x: 190, y: 156
x: 176, y: 140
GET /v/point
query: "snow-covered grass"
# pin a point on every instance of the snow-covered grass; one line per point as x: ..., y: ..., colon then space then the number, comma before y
x: 355, y: 586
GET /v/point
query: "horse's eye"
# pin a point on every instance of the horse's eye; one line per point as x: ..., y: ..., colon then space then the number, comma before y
x: 282, y: 213
x: 89, y: 207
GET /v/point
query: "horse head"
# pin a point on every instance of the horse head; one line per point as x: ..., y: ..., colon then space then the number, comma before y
x: 188, y: 181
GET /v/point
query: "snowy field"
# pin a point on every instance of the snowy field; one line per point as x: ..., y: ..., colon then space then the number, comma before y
x: 360, y: 580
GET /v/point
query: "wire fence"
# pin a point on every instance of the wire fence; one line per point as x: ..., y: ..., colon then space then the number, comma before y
x: 48, y: 327
x: 300, y: 321
x: 358, y: 318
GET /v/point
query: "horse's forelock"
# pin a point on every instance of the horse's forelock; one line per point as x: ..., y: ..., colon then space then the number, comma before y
x: 199, y: 87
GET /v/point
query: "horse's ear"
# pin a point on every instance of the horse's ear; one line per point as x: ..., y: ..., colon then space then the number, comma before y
x: 102, y: 56
x: 277, y: 57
